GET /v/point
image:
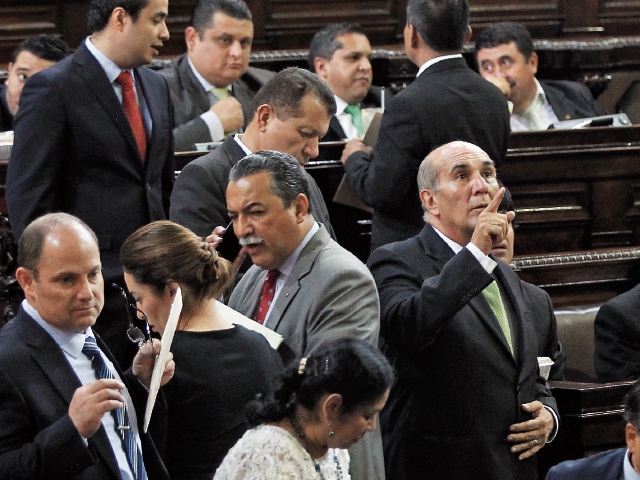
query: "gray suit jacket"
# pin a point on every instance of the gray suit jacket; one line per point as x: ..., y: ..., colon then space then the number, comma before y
x: 190, y: 100
x: 330, y: 294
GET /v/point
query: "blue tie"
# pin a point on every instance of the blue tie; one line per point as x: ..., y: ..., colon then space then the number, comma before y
x: 123, y: 425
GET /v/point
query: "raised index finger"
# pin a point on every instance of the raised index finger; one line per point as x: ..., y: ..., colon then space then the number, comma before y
x: 495, y: 203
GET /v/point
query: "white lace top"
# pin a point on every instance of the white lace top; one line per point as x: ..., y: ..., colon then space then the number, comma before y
x: 268, y: 452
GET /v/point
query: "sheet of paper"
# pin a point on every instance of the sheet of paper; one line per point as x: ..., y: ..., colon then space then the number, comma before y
x: 274, y: 339
x: 167, y: 338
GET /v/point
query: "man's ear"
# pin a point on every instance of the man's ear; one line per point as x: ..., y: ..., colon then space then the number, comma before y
x: 413, y: 36
x: 302, y: 207
x: 429, y: 202
x: 263, y: 115
x: 190, y: 37
x: 118, y: 18
x: 320, y: 66
x: 533, y: 62
x: 26, y: 280
x: 467, y: 38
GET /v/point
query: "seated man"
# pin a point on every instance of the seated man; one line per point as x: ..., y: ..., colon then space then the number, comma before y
x: 339, y: 54
x: 468, y: 402
x: 212, y: 85
x: 617, y: 338
x: 290, y: 113
x: 66, y: 409
x: 537, y: 301
x: 303, y: 285
x: 506, y: 58
x: 32, y: 55
x: 619, y: 464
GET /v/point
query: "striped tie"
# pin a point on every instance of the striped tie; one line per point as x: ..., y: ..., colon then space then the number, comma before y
x: 123, y: 425
x: 492, y: 294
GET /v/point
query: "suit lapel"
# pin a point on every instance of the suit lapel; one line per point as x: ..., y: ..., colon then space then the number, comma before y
x: 561, y: 107
x: 436, y: 248
x: 53, y: 363
x: 97, y: 82
x: 301, y: 269
x: 189, y: 81
x: 334, y: 124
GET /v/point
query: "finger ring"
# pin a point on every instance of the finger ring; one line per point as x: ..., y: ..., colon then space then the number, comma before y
x: 535, y: 440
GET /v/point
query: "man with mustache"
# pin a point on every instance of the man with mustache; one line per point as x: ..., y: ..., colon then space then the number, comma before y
x: 303, y: 284
x: 93, y: 138
x: 339, y: 54
x: 290, y: 114
x: 468, y: 402
x: 506, y: 58
x: 212, y: 85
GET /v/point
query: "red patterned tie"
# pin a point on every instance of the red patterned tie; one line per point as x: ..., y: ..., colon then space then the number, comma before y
x: 266, y: 296
x: 131, y: 110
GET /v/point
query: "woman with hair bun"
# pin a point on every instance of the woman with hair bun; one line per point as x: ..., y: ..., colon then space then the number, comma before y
x: 325, y: 404
x: 220, y: 367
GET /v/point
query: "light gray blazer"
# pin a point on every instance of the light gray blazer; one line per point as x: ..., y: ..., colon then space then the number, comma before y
x: 330, y: 294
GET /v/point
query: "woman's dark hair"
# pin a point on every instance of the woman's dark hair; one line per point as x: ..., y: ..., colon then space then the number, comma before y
x: 350, y: 367
x: 163, y: 251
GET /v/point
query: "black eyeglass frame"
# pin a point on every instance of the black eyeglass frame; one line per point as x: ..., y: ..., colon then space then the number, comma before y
x: 135, y: 335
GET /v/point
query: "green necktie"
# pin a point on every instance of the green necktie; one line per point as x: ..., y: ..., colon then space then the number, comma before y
x: 220, y: 93
x: 531, y: 113
x: 492, y: 294
x: 356, y: 115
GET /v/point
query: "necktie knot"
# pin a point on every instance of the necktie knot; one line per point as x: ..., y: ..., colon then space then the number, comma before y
x: 220, y: 93
x: 125, y: 80
x: 356, y: 115
x: 90, y: 348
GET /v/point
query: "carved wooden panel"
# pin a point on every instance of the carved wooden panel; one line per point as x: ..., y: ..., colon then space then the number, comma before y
x: 620, y: 17
x: 543, y: 18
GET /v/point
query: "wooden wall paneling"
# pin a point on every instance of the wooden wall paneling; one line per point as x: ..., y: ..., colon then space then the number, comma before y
x: 543, y: 18
x: 619, y: 17
x: 19, y: 22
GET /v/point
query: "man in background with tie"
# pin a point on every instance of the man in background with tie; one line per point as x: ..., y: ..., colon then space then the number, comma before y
x: 66, y: 409
x: 93, y: 138
x: 212, y: 85
x: 339, y: 54
x: 506, y: 58
x: 467, y: 402
x: 303, y: 284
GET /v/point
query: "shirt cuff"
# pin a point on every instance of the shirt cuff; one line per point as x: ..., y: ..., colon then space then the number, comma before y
x: 484, y: 260
x: 214, y: 124
x: 554, y: 432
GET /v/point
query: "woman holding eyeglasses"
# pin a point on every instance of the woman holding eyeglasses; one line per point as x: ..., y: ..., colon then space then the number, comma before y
x: 325, y: 404
x: 220, y: 367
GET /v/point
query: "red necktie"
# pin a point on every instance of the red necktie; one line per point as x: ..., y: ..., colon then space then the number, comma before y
x: 131, y: 110
x: 266, y: 296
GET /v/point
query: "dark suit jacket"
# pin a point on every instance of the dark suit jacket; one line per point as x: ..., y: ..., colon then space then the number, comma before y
x: 571, y: 100
x: 617, y: 338
x: 372, y: 100
x: 190, y: 100
x: 458, y: 386
x: 603, y: 466
x: 37, y: 437
x: 6, y: 119
x: 447, y: 102
x: 199, y: 197
x: 538, y: 306
x: 74, y: 152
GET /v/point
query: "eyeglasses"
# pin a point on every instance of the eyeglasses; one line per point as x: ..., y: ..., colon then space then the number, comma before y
x: 134, y: 333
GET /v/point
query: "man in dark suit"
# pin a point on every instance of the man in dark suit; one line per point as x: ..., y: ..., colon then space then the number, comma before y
x: 617, y: 338
x: 506, y: 57
x: 86, y: 145
x: 212, y: 85
x: 32, y: 55
x: 290, y: 114
x: 339, y: 54
x: 537, y: 302
x: 60, y: 417
x: 446, y: 102
x: 619, y: 464
x: 468, y: 402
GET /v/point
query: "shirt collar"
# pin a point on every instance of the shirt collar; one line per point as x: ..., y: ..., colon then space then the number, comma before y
x: 109, y: 66
x: 340, y: 105
x: 433, y: 61
x: 69, y: 342
x: 629, y: 472
x: 287, y: 266
x: 453, y: 245
x: 205, y: 85
x: 238, y: 138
